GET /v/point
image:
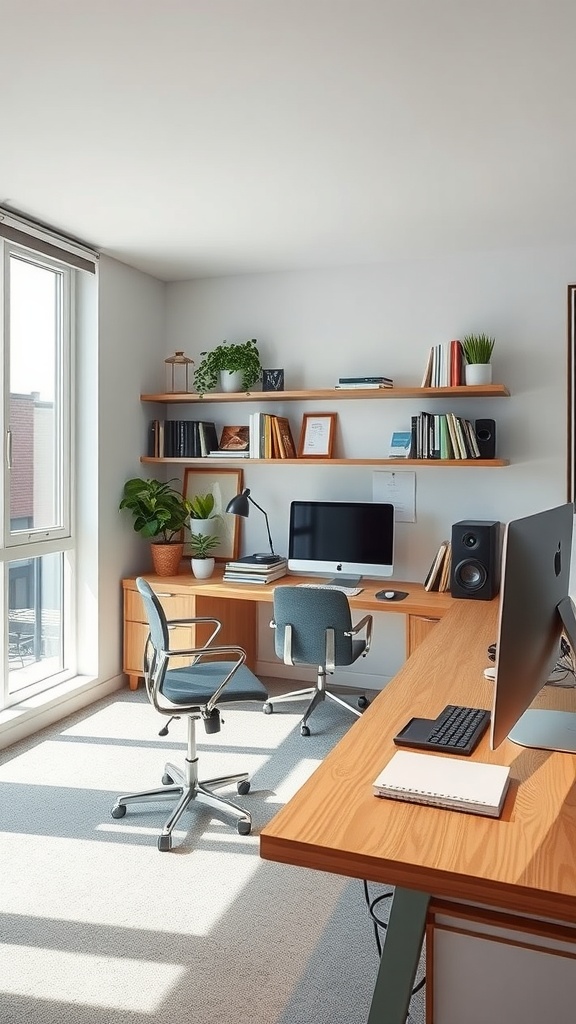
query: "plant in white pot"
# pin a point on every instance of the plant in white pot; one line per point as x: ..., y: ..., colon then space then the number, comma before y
x: 203, y: 518
x: 160, y: 512
x: 235, y: 367
x: 202, y: 562
x: 477, y: 349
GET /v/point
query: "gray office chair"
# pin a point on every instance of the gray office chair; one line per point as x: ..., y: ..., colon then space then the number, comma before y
x: 195, y: 691
x: 314, y: 627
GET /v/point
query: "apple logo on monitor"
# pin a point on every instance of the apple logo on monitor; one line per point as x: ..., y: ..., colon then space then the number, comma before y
x: 339, y: 567
x: 558, y: 560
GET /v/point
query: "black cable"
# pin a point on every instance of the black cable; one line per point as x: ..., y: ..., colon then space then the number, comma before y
x: 378, y: 923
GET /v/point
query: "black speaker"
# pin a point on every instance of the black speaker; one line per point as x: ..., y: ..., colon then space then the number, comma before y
x: 475, y: 568
x: 486, y: 438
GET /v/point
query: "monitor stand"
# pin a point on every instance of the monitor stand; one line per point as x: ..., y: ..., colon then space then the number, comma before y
x: 551, y: 730
x: 344, y: 581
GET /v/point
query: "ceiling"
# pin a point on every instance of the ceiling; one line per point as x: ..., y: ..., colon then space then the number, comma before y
x: 193, y: 138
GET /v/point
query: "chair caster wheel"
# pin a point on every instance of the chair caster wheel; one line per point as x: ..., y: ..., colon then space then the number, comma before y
x: 244, y: 827
x: 164, y: 843
x: 167, y: 780
x: 243, y: 787
x: 363, y: 702
x: 118, y: 811
x: 304, y: 730
x: 267, y: 708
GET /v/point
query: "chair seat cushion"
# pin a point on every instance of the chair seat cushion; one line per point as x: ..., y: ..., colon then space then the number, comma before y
x: 199, y: 682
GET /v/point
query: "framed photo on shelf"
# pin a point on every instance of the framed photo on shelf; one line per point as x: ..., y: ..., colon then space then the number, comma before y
x: 317, y: 435
x: 224, y: 484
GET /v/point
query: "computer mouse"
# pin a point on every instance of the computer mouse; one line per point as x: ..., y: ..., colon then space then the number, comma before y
x: 385, y: 595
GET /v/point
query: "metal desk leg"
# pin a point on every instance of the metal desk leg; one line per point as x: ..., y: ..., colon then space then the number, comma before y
x: 400, y: 957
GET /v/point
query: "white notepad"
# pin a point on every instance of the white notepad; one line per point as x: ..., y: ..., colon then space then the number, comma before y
x: 444, y: 782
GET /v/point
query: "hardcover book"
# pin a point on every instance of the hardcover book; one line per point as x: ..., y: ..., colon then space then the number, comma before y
x: 235, y: 439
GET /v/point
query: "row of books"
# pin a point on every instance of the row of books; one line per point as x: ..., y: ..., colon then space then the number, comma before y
x: 444, y: 366
x: 250, y: 570
x: 270, y: 437
x: 181, y: 439
x: 442, y: 436
x: 438, y: 577
x: 350, y: 383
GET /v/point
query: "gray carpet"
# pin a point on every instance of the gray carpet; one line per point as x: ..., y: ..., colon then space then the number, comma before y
x: 97, y: 926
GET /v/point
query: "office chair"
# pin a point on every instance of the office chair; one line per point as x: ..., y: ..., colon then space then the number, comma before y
x: 195, y: 691
x: 314, y: 627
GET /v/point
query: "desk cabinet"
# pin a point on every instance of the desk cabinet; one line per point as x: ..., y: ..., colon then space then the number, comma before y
x: 238, y: 622
x: 418, y: 628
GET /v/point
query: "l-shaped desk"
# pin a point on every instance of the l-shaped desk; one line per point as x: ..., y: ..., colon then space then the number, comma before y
x: 500, y: 893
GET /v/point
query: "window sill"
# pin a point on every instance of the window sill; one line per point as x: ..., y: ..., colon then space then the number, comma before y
x: 43, y: 709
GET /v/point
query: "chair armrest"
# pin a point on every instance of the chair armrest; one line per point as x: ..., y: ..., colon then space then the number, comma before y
x: 171, y: 623
x: 365, y: 623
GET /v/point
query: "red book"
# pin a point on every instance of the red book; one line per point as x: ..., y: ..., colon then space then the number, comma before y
x: 456, y: 363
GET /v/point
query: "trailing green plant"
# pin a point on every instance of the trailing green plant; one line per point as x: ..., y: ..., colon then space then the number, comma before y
x: 243, y: 357
x: 202, y: 507
x: 477, y: 348
x: 201, y: 544
x: 159, y: 510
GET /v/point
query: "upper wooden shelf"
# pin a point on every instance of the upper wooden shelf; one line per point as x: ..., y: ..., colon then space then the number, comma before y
x: 331, y: 394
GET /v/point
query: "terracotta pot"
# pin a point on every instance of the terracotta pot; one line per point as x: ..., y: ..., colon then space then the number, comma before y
x: 166, y: 558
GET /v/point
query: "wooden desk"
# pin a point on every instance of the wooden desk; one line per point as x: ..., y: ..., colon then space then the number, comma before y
x: 524, y: 862
x: 183, y: 596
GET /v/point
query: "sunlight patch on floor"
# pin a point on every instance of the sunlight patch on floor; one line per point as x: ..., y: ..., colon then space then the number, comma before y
x: 119, y: 984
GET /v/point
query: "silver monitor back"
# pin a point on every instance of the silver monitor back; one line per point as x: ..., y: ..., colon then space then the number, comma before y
x: 534, y: 610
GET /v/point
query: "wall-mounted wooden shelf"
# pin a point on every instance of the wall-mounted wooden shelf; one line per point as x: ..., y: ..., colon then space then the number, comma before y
x: 207, y: 461
x: 331, y: 395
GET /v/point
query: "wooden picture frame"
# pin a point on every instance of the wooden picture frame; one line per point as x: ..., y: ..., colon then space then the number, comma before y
x: 571, y: 462
x: 317, y: 435
x: 224, y: 484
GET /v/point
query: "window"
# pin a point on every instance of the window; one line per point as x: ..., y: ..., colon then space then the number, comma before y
x: 38, y: 540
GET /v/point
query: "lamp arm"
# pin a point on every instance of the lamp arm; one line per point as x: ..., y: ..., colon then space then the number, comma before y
x: 250, y: 498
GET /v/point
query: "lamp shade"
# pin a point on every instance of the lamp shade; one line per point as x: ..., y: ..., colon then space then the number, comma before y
x: 239, y: 504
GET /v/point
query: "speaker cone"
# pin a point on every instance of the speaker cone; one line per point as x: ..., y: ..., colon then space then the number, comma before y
x: 471, y: 575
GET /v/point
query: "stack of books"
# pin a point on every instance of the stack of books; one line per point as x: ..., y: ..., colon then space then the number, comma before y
x: 250, y: 570
x: 270, y: 437
x: 346, y: 383
x: 438, y: 577
x: 181, y: 439
x: 443, y: 436
x: 444, y: 366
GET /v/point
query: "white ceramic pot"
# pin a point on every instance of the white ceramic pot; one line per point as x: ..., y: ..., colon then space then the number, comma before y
x: 202, y: 568
x: 204, y: 527
x: 478, y: 373
x: 231, y: 380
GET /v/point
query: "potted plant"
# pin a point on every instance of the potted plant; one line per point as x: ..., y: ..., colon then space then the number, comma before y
x: 236, y: 367
x: 160, y: 512
x: 202, y: 562
x: 477, y: 349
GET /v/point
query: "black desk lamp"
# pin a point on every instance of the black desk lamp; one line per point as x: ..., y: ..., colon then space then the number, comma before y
x: 240, y: 506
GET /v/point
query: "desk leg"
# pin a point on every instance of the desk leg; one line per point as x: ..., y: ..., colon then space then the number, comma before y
x: 400, y: 957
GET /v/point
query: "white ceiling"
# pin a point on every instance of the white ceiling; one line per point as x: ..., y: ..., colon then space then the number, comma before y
x: 193, y: 138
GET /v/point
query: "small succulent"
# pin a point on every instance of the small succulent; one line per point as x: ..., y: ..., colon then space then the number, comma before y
x: 201, y: 544
x: 477, y: 348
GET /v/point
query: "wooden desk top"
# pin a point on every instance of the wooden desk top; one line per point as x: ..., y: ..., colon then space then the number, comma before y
x: 418, y: 602
x: 525, y: 861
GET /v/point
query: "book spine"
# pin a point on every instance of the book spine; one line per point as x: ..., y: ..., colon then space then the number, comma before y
x: 365, y: 380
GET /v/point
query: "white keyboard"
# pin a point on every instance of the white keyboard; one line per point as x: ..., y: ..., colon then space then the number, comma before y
x: 349, y: 591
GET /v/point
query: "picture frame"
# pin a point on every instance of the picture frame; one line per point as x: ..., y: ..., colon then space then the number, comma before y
x: 571, y: 450
x: 272, y: 380
x: 224, y: 484
x: 317, y: 435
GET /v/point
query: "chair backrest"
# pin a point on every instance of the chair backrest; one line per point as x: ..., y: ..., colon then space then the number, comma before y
x: 310, y: 612
x: 155, y: 615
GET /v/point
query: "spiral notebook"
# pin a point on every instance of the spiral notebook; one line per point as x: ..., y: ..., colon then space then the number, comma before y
x: 444, y: 782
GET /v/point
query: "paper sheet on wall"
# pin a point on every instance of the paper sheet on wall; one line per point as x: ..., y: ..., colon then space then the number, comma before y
x: 399, y: 488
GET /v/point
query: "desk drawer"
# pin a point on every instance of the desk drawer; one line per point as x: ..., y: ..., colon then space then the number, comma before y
x: 176, y: 606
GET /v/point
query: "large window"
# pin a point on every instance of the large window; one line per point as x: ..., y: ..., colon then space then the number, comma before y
x: 38, y: 540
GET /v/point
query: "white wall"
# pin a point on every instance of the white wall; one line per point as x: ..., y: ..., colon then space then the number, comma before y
x: 383, y: 319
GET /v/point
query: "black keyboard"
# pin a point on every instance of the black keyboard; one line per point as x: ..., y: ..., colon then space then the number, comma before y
x: 457, y: 730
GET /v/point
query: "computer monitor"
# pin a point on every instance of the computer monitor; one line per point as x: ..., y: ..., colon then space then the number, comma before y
x: 349, y: 539
x: 535, y: 608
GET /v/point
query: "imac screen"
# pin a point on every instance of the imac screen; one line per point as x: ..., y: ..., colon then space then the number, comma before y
x: 345, y: 538
x: 535, y: 609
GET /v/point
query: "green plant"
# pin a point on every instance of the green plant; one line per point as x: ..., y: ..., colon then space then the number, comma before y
x: 159, y: 510
x: 477, y: 348
x: 201, y: 506
x: 201, y: 544
x: 244, y: 357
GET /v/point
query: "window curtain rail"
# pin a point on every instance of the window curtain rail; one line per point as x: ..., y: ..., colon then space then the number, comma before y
x: 39, y: 237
